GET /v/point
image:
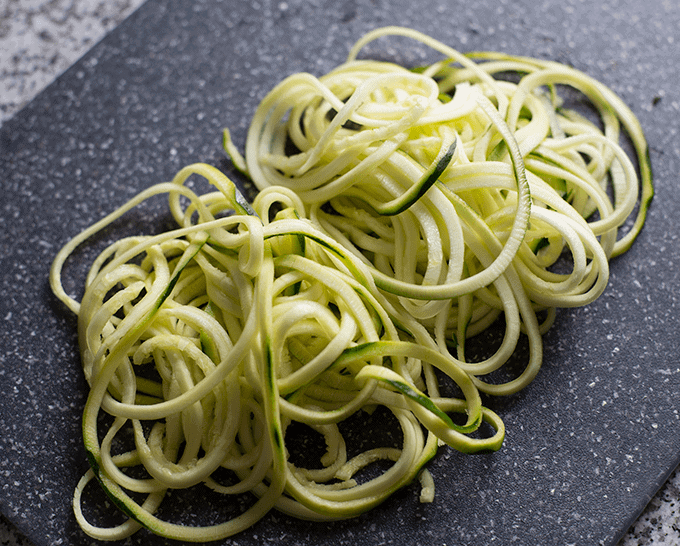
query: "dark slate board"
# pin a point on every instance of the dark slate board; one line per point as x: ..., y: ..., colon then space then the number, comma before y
x: 588, y: 443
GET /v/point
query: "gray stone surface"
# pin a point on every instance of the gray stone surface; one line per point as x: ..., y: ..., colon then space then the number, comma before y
x: 39, y: 39
x: 168, y: 81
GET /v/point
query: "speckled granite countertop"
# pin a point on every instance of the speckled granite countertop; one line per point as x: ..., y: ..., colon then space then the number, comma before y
x: 39, y: 39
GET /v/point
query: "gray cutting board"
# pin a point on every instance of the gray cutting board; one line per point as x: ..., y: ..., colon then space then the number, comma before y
x: 588, y: 443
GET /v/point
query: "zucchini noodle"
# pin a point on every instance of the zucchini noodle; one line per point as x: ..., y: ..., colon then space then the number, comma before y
x: 400, y: 212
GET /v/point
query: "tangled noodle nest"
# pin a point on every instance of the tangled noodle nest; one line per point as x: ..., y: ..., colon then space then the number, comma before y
x: 400, y: 213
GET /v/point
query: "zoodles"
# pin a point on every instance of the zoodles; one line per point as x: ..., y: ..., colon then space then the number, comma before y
x: 400, y: 213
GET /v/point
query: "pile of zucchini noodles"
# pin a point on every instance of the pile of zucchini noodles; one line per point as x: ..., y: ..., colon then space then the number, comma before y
x: 400, y: 212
